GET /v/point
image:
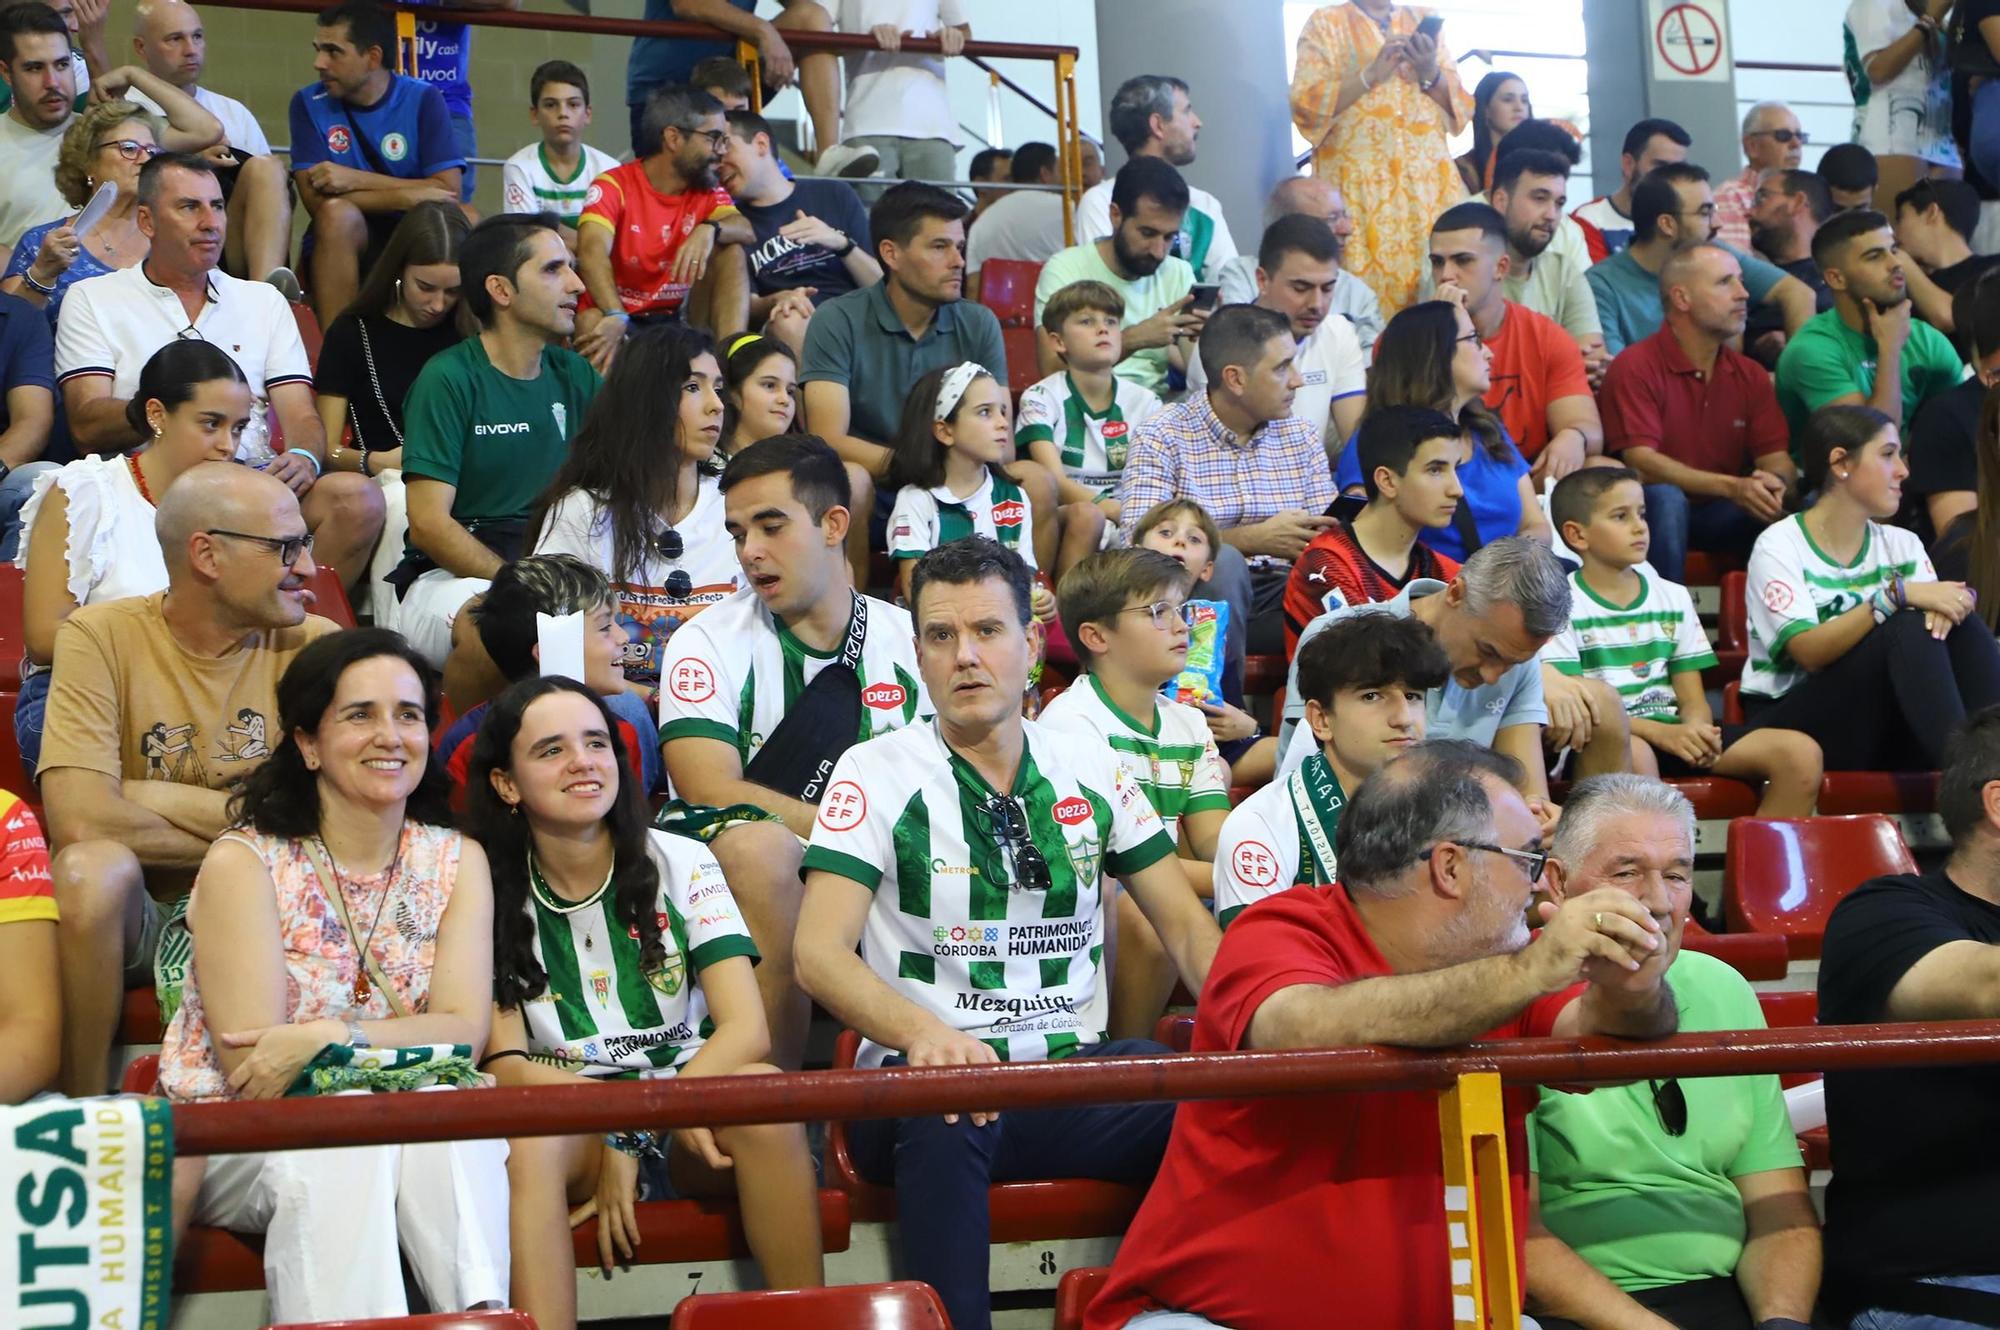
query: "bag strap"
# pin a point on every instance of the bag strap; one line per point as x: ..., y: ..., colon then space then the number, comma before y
x: 1467, y: 527
x: 331, y: 888
x: 374, y: 381
x: 857, y: 635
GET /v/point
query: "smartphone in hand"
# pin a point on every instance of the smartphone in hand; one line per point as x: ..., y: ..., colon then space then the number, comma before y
x: 1431, y: 26
x: 1205, y: 296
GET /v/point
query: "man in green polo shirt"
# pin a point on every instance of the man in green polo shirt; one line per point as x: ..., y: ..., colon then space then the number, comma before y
x: 1866, y: 350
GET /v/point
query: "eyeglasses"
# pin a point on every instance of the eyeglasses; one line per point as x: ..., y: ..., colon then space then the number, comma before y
x: 1785, y: 136
x: 1473, y: 338
x: 1002, y: 820
x: 132, y: 150
x: 1671, y: 1103
x: 714, y: 136
x: 1533, y: 862
x: 287, y: 548
x: 1162, y: 612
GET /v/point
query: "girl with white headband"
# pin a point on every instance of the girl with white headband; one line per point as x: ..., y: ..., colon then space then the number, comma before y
x: 957, y: 433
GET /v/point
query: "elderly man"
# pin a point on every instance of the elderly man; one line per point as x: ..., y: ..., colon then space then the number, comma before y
x: 1907, y: 1234
x: 1353, y: 298
x: 159, y: 703
x: 1772, y: 141
x: 979, y: 915
x: 1682, y: 1201
x: 1267, y: 1208
x: 1508, y: 600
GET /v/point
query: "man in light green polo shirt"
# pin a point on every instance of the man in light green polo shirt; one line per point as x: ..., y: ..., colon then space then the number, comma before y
x: 1148, y: 202
x: 1866, y: 350
x: 1676, y: 1200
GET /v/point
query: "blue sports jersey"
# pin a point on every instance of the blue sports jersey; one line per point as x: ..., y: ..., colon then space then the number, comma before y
x: 407, y: 134
x: 658, y: 60
x: 444, y: 53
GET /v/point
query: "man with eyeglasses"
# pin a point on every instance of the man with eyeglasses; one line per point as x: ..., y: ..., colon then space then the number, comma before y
x: 1672, y: 210
x: 965, y: 858
x: 1772, y: 141
x: 1607, y: 220
x: 156, y: 708
x: 1786, y: 213
x: 1332, y: 1209
x: 1353, y: 299
x: 1664, y: 1202
x: 659, y: 238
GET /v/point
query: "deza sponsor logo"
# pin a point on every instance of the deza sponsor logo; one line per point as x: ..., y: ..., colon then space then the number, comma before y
x: 1072, y: 811
x: 884, y: 696
x: 1009, y: 513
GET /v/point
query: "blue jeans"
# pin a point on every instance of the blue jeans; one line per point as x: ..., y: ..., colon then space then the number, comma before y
x: 1879, y: 1318
x: 467, y: 140
x: 941, y: 1172
x: 29, y: 708
x: 1984, y: 140
x: 1680, y: 523
x: 14, y: 491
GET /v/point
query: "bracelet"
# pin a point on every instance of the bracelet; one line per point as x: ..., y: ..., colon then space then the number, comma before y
x: 1426, y: 87
x: 310, y: 457
x: 1880, y: 605
x: 28, y: 276
x: 1366, y: 86
x: 637, y: 1144
x: 1899, y: 594
x: 364, y: 463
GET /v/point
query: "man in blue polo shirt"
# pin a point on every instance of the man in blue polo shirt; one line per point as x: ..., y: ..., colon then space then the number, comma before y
x: 367, y: 146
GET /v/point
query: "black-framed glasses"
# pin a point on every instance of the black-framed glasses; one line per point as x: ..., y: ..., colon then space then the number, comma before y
x: 1671, y: 1103
x: 132, y: 150
x: 1473, y: 338
x: 714, y: 136
x: 1533, y: 862
x: 1004, y: 822
x: 1162, y: 612
x: 1785, y: 136
x: 287, y: 548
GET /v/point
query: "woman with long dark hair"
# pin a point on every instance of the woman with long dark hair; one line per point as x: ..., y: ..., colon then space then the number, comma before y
x: 646, y: 509
x: 343, y: 941
x: 618, y: 954
x: 1499, y: 102
x: 1430, y: 356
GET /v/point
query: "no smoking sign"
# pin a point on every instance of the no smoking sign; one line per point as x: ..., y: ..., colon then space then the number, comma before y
x: 1690, y: 40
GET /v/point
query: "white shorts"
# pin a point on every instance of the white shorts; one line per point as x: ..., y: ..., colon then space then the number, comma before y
x: 429, y: 607
x: 1899, y: 124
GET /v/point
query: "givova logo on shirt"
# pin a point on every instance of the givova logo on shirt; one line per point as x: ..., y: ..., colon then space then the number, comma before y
x: 509, y: 427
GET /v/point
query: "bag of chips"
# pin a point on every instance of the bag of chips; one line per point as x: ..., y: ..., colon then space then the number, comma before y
x: 1200, y: 679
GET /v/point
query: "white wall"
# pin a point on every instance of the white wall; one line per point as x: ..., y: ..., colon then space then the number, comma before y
x: 1797, y: 32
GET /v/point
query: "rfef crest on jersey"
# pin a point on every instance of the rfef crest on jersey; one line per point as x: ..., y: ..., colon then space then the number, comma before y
x: 844, y: 807
x: 691, y: 680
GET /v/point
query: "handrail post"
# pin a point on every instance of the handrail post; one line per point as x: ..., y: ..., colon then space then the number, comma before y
x: 406, y: 43
x: 1069, y: 143
x: 748, y: 56
x: 1479, y: 1219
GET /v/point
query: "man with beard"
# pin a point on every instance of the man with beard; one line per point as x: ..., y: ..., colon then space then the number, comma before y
x: 1353, y: 299
x: 1607, y: 219
x: 1673, y: 209
x: 1546, y: 258
x: 659, y: 237
x: 1864, y: 351
x: 1149, y: 201
x: 1785, y: 213
x: 1697, y: 420
x: 1772, y: 141
x: 1152, y: 116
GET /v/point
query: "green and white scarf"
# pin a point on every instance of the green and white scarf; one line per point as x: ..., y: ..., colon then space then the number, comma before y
x: 338, y: 1068
x: 1317, y: 801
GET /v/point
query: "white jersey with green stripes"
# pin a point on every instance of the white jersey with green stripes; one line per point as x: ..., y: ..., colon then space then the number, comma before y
x: 954, y: 928
x: 733, y: 672
x: 1635, y: 648
x: 925, y: 518
x: 1174, y: 759
x: 603, y: 1012
x: 1092, y: 443
x: 1794, y: 585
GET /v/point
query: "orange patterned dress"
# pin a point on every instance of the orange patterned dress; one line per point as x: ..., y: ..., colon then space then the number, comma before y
x: 1386, y: 152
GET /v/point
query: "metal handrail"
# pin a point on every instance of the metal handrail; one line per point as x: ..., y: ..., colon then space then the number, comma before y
x: 233, y: 1128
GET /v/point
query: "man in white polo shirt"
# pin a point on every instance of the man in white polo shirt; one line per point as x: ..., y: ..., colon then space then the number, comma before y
x: 112, y: 325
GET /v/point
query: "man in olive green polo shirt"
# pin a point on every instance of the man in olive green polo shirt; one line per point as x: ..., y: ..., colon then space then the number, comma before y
x: 865, y: 349
x: 1866, y: 350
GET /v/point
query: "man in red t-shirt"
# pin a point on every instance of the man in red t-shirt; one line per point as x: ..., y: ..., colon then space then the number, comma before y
x: 1267, y: 1213
x: 1537, y: 385
x: 1698, y: 420
x: 658, y: 237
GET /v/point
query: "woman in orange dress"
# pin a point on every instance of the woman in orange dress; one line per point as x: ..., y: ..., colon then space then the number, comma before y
x: 1377, y: 99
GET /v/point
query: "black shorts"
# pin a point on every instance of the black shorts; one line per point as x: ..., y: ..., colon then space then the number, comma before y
x: 1672, y: 768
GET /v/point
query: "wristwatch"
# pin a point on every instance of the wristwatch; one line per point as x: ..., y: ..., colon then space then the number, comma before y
x: 355, y: 1038
x: 846, y: 249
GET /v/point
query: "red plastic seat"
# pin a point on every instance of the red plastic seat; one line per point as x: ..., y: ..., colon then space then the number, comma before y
x: 1175, y: 1030
x: 1016, y: 1211
x: 1785, y: 875
x: 1732, y: 625
x: 1263, y: 675
x: 500, y: 1320
x: 1007, y: 287
x: 1787, y: 1010
x: 309, y: 333
x: 1732, y: 702
x: 1715, y: 798
x: 13, y: 638
x: 141, y: 1076
x: 140, y: 1022
x: 1705, y: 569
x: 708, y: 1230
x: 330, y: 597
x: 1878, y: 792
x: 1074, y: 1293
x: 905, y: 1305
x: 1752, y: 955
x: 14, y: 776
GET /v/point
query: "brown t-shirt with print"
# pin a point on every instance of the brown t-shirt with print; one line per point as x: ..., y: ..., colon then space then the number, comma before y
x: 128, y: 700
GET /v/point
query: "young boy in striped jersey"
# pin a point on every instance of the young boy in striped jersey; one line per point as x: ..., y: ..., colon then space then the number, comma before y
x: 1078, y: 422
x: 554, y: 174
x: 1123, y: 612
x: 1637, y: 632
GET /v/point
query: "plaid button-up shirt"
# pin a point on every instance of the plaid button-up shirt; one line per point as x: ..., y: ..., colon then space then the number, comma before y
x: 1185, y: 452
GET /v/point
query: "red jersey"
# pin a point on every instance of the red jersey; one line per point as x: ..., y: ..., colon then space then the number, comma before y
x: 26, y: 891
x: 1264, y: 1209
x: 647, y: 231
x: 1535, y: 362
x: 1334, y: 571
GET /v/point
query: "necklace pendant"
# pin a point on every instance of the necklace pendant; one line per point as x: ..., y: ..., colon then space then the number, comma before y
x: 362, y: 989
x: 589, y: 941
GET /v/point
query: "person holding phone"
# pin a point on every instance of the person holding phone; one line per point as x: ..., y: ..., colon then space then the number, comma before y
x: 1377, y: 95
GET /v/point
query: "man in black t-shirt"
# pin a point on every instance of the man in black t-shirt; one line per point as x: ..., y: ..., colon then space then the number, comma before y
x: 1917, y: 1178
x: 1942, y: 443
x: 812, y: 235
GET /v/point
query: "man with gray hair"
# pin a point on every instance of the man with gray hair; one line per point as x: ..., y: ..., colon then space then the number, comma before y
x: 1151, y: 116
x: 1353, y: 299
x: 1264, y: 1205
x: 1772, y: 141
x: 1673, y: 1201
x: 1510, y: 598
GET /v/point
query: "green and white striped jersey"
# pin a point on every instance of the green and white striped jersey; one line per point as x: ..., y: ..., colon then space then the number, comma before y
x: 733, y: 672
x: 603, y: 1013
x: 1019, y: 969
x: 1174, y: 760
x: 1794, y: 585
x: 924, y: 519
x: 1636, y: 648
x: 1092, y: 445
